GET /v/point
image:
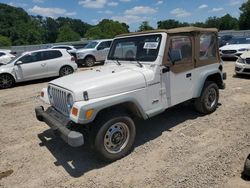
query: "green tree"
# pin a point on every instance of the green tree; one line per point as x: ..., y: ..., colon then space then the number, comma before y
x: 145, y: 26
x: 66, y: 34
x: 4, y: 41
x: 213, y: 22
x: 244, y: 22
x: 171, y: 23
x: 228, y: 22
x: 107, y: 29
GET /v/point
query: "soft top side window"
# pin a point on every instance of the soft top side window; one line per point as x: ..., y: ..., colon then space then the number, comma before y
x: 181, y: 45
x: 207, y: 46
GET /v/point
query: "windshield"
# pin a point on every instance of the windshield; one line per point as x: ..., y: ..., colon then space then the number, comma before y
x: 140, y: 48
x: 240, y: 41
x: 91, y: 45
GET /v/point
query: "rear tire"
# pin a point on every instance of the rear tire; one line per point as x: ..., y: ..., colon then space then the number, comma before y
x: 246, y: 171
x: 208, y: 100
x: 113, y: 136
x: 66, y: 70
x: 89, y: 61
x: 6, y: 81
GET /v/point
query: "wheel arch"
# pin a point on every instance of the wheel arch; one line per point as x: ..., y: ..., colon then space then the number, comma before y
x: 66, y: 66
x: 9, y: 74
x: 214, y: 76
x: 90, y: 55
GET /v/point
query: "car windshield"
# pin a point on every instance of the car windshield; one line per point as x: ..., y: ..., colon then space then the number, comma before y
x: 91, y: 45
x: 240, y: 41
x: 139, y: 48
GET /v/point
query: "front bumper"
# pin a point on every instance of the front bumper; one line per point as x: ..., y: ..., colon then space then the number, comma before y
x: 242, y: 68
x: 59, y: 123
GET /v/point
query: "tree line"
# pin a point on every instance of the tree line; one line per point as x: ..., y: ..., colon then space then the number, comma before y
x: 17, y: 27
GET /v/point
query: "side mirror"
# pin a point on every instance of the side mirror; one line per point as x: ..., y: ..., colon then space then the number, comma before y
x: 175, y: 55
x: 19, y: 62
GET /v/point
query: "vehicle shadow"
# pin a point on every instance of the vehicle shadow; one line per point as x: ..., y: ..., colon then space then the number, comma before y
x: 241, y: 76
x: 77, y: 161
x: 32, y: 82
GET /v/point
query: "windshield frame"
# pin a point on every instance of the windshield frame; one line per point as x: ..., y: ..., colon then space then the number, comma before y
x: 137, y: 39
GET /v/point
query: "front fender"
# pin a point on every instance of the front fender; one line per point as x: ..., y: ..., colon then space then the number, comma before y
x: 102, y: 103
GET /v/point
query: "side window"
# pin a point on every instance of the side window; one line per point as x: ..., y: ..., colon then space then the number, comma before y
x: 103, y: 45
x: 52, y: 54
x: 207, y: 46
x: 30, y: 58
x: 109, y: 44
x: 2, y: 54
x: 181, y: 46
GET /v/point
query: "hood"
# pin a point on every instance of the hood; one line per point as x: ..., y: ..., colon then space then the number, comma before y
x: 245, y: 55
x: 85, y: 50
x: 104, y: 81
x: 235, y: 46
x: 6, y: 66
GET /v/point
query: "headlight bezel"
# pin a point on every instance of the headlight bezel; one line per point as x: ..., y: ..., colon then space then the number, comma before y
x: 70, y: 100
x: 241, y: 60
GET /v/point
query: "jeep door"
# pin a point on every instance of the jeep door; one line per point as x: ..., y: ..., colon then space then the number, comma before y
x: 30, y: 66
x: 179, y: 79
x: 102, y: 50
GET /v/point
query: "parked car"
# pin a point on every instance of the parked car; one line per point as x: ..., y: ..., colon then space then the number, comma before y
x: 36, y: 65
x: 95, y: 51
x: 71, y: 49
x: 165, y: 69
x: 5, y: 56
x: 242, y: 65
x: 235, y: 47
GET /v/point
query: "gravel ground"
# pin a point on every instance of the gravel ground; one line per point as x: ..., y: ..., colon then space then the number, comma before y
x: 178, y: 148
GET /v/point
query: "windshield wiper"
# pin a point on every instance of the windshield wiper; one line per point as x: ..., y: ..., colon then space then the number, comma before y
x: 117, y: 61
x: 136, y: 60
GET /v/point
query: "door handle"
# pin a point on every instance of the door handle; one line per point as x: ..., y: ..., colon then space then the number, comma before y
x: 188, y: 75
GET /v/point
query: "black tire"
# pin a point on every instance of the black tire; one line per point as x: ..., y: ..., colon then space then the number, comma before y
x: 246, y: 171
x: 89, y: 61
x: 6, y: 81
x: 65, y: 70
x: 113, y: 136
x: 208, y: 100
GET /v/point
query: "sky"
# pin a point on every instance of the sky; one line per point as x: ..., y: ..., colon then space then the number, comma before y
x: 132, y: 12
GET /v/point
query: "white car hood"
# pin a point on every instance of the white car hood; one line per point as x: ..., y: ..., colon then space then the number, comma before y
x: 245, y: 55
x: 235, y: 46
x: 85, y: 50
x: 105, y: 81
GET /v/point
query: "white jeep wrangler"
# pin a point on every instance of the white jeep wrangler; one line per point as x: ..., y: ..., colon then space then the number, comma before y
x: 144, y: 74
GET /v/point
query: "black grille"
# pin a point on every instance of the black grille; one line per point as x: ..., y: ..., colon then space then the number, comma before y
x: 248, y: 60
x: 246, y: 70
x: 229, y: 51
x: 237, y: 68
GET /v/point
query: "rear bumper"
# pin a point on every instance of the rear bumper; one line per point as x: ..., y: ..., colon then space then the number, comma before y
x: 58, y: 123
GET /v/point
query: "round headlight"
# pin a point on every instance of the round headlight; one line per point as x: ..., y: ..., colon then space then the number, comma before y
x: 70, y: 101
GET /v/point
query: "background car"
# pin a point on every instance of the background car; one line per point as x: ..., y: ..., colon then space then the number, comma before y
x: 95, y: 51
x: 71, y: 49
x: 223, y: 40
x: 235, y: 47
x: 242, y: 65
x: 36, y: 65
x: 5, y: 56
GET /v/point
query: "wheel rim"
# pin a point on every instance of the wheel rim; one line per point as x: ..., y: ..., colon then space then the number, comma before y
x: 89, y: 62
x: 116, y: 138
x: 66, y: 71
x: 5, y: 81
x: 211, y: 98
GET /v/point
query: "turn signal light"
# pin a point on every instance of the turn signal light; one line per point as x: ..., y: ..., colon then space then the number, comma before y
x: 74, y: 111
x: 89, y: 114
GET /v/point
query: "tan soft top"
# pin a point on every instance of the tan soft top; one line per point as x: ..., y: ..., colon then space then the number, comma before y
x: 173, y: 31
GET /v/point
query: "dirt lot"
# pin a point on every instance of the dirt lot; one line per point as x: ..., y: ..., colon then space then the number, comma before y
x: 178, y: 148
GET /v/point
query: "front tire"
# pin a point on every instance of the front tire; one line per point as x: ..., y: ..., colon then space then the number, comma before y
x: 89, y: 61
x: 6, y: 81
x: 114, y: 137
x: 208, y: 101
x: 66, y: 70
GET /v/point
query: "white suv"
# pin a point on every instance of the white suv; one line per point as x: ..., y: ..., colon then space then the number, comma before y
x: 242, y: 65
x: 95, y: 51
x: 144, y: 74
x: 36, y: 65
